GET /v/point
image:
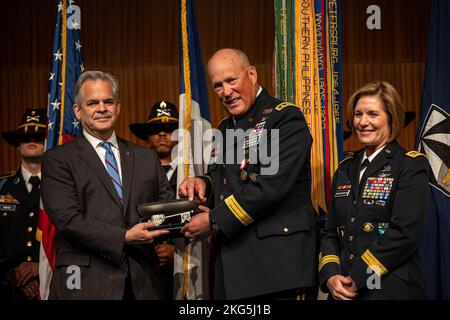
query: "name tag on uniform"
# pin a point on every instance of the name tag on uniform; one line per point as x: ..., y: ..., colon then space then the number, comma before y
x: 342, y: 191
x: 7, y: 207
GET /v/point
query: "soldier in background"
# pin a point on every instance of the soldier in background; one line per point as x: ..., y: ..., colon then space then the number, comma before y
x: 19, y: 207
x: 157, y: 132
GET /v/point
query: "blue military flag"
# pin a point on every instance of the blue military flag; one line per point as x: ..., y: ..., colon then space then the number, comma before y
x: 433, y: 139
x: 190, y: 262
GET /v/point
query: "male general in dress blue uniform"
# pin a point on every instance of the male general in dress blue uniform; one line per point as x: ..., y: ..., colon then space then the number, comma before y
x: 263, y: 223
x: 19, y: 207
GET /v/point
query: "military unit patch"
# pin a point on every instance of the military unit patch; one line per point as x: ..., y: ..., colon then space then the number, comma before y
x: 377, y: 188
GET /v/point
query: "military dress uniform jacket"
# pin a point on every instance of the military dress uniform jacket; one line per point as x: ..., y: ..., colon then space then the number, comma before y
x: 376, y: 224
x: 91, y: 220
x: 267, y: 222
x: 18, y: 222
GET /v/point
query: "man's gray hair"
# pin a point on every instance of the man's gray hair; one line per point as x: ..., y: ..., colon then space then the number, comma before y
x: 96, y: 75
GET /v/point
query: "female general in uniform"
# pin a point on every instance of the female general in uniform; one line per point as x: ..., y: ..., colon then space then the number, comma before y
x: 370, y: 242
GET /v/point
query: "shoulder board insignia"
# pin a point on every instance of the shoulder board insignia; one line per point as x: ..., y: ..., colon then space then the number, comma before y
x: 223, y: 120
x: 347, y: 156
x: 283, y: 105
x: 415, y: 154
x: 7, y: 175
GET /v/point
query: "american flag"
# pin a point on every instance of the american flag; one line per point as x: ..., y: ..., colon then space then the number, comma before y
x: 63, y: 126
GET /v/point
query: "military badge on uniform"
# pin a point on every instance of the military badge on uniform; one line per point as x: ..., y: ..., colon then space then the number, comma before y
x: 377, y: 188
x: 368, y: 227
x: 340, y: 231
x: 253, y: 176
x: 8, y: 199
x: 267, y: 111
x: 382, y: 227
x: 243, y: 175
x: 242, y: 167
x: 385, y: 172
x: 243, y: 164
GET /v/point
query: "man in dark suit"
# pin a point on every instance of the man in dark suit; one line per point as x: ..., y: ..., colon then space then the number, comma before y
x: 262, y: 220
x: 157, y: 132
x: 19, y: 207
x: 90, y: 189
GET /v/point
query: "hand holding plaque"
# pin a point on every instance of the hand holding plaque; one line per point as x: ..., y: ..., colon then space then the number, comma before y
x: 169, y: 215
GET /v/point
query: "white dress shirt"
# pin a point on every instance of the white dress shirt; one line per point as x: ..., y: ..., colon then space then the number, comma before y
x: 26, y: 177
x: 361, y: 173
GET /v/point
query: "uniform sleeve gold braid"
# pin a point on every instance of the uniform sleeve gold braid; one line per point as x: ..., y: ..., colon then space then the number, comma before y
x: 237, y: 211
x: 371, y: 261
x: 329, y: 259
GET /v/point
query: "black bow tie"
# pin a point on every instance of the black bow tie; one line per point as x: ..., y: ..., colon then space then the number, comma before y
x: 364, y: 164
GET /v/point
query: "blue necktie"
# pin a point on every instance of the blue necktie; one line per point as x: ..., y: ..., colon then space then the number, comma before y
x: 111, y: 167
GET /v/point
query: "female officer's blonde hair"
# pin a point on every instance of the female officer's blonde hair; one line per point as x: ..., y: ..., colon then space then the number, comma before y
x: 392, y: 104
